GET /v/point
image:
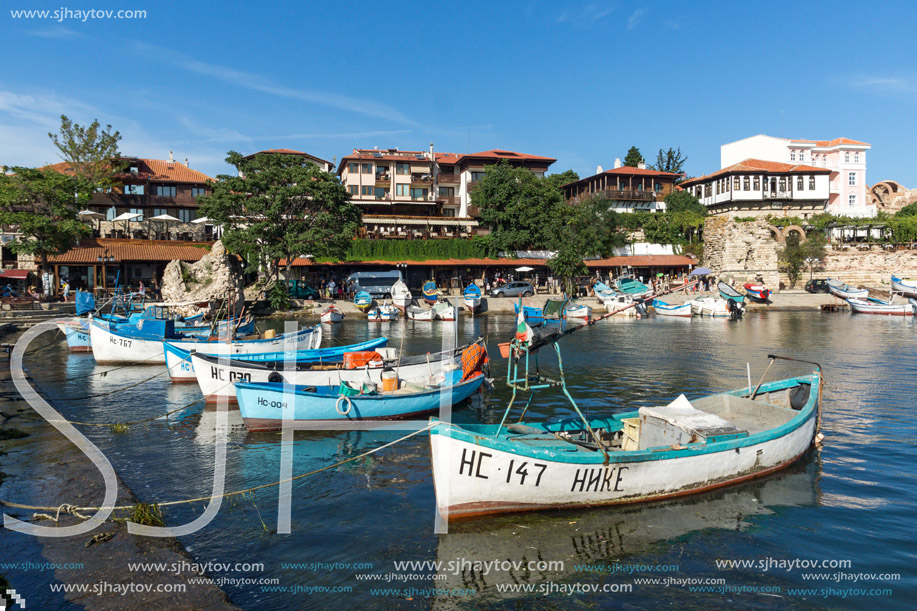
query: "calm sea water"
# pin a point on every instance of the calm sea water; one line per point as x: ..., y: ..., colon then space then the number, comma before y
x: 851, y: 499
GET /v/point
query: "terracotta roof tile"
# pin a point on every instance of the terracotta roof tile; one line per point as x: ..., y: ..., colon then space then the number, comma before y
x: 831, y: 143
x: 158, y: 170
x: 89, y: 251
x: 758, y: 166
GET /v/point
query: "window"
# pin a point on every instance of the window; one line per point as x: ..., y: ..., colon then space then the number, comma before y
x: 846, y: 157
x: 658, y: 187
x: 111, y: 213
x: 735, y: 183
x: 133, y: 189
x: 165, y: 190
x: 856, y: 158
x: 447, y: 191
x: 792, y: 155
x: 403, y: 168
x: 852, y: 179
x: 802, y: 155
x: 799, y: 183
x: 198, y: 191
x: 811, y: 183
x: 367, y: 168
x: 353, y: 168
x: 381, y: 172
x: 718, y: 186
x: 137, y: 211
x: 745, y: 183
x: 185, y: 215
x: 369, y: 190
x: 418, y: 193
x: 134, y: 170
x: 708, y: 190
x: 756, y: 183
x: 354, y: 189
x: 381, y: 193
x: 448, y: 211
x: 401, y: 190
x: 783, y: 183
x: 159, y: 211
x: 852, y: 200
x: 476, y: 176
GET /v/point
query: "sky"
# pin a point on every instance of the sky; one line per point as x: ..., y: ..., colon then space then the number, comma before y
x: 581, y: 82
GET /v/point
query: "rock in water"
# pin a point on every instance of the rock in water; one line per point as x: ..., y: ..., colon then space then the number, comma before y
x: 210, y: 279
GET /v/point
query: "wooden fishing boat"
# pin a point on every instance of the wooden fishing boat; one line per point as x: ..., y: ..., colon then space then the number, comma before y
x: 908, y: 288
x: 625, y: 304
x: 681, y: 447
x: 76, y: 332
x: 414, y: 312
x: 143, y: 344
x: 577, y: 310
x: 665, y: 309
x: 845, y: 291
x: 603, y: 292
x: 757, y: 292
x: 631, y: 286
x: 443, y: 310
x: 532, y: 314
x: 710, y: 306
x: 472, y: 297
x: 727, y: 291
x: 362, y: 300
x: 430, y: 293
x: 401, y: 295
x: 871, y: 305
x: 215, y: 374
x: 263, y: 406
x: 383, y: 313
x: 332, y: 315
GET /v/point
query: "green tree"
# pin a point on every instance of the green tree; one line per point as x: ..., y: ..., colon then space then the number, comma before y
x: 684, y: 201
x: 281, y: 209
x: 519, y: 208
x: 559, y: 180
x: 794, y: 257
x: 671, y: 161
x: 909, y: 210
x: 604, y: 231
x: 91, y: 152
x: 42, y: 205
x: 633, y: 158
x: 571, y: 242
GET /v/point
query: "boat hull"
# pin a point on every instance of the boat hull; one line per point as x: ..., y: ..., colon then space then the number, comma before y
x: 845, y: 291
x: 862, y: 306
x: 472, y: 303
x: 580, y: 311
x: 757, y: 293
x: 908, y: 288
x: 262, y: 405
x: 665, y: 309
x: 76, y: 332
x: 332, y: 316
x: 415, y: 313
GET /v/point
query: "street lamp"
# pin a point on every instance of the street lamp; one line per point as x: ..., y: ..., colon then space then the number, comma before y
x: 809, y: 262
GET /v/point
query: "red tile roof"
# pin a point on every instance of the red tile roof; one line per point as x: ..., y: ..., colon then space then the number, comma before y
x: 498, y: 154
x: 89, y: 251
x: 643, y: 261
x: 158, y: 170
x: 758, y: 166
x: 831, y: 143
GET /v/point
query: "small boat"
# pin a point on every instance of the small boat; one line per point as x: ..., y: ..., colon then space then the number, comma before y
x: 554, y: 311
x: 264, y: 405
x: 727, y: 291
x: 633, y: 287
x: 626, y: 305
x: 76, y: 331
x: 383, y: 313
x: 401, y: 295
x: 415, y: 312
x: 532, y: 314
x: 871, y: 305
x: 472, y: 297
x: 845, y: 291
x: 181, y: 366
x: 757, y: 292
x: 443, y: 310
x: 362, y: 300
x: 908, y: 288
x: 430, y: 293
x: 577, y: 310
x: 365, y: 364
x: 652, y: 453
x: 665, y: 309
x: 332, y: 315
x: 603, y: 292
x: 710, y: 306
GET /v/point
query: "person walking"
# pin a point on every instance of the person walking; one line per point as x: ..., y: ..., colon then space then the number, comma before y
x: 65, y: 286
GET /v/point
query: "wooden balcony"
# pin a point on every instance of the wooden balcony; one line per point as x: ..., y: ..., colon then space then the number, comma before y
x: 448, y: 179
x: 451, y: 200
x: 635, y: 196
x: 421, y: 179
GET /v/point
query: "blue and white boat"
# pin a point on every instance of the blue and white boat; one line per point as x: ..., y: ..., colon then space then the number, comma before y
x: 532, y: 314
x: 76, y: 331
x: 653, y: 453
x: 871, y: 305
x: 430, y: 292
x: 181, y: 368
x: 908, y: 288
x: 383, y: 313
x: 664, y: 309
x: 263, y: 406
x: 603, y: 292
x: 845, y: 291
x: 362, y: 300
x: 577, y: 310
x: 472, y: 297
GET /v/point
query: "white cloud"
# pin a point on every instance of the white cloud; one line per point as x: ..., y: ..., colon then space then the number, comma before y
x: 60, y: 33
x: 635, y: 18
x: 256, y: 82
x: 586, y: 14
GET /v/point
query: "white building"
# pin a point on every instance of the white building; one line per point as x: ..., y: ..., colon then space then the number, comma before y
x: 756, y: 187
x: 844, y: 157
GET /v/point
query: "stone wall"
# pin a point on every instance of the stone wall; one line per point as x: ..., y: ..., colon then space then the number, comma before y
x: 872, y: 268
x: 741, y: 251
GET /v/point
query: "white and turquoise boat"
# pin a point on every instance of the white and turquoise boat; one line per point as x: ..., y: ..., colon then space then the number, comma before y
x: 633, y: 287
x: 263, y: 406
x: 665, y: 309
x: 679, y: 448
x: 363, y: 300
x: 603, y: 292
x: 845, y: 291
x: 472, y: 297
x: 76, y: 330
x: 906, y: 287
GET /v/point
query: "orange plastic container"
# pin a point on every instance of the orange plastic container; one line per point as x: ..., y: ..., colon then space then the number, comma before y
x: 389, y: 381
x: 353, y: 360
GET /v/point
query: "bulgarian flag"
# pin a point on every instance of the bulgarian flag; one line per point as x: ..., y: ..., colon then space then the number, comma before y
x: 524, y: 332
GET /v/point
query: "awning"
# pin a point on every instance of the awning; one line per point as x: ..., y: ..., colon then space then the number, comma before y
x: 14, y: 274
x: 433, y: 220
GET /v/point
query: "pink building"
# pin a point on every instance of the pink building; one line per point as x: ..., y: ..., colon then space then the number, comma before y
x: 846, y: 158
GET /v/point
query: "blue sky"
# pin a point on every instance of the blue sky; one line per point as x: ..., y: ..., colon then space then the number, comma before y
x: 578, y: 81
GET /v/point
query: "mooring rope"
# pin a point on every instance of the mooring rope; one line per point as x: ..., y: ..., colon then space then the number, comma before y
x: 67, y: 508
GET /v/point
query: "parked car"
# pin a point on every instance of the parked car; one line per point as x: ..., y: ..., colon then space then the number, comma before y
x: 819, y: 285
x: 513, y: 289
x: 299, y: 290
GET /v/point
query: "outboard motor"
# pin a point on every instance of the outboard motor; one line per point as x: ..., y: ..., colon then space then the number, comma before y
x: 736, y: 309
x: 641, y: 308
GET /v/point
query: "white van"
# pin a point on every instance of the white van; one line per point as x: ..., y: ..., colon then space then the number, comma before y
x: 377, y: 284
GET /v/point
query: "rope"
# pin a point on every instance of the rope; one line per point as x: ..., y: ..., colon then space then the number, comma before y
x: 110, y: 424
x: 72, y: 509
x: 111, y: 392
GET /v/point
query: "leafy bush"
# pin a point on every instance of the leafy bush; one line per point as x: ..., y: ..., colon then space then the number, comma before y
x: 279, y: 297
x: 420, y: 250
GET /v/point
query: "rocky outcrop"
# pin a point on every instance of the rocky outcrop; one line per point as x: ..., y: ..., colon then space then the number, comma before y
x: 889, y: 196
x: 213, y: 278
